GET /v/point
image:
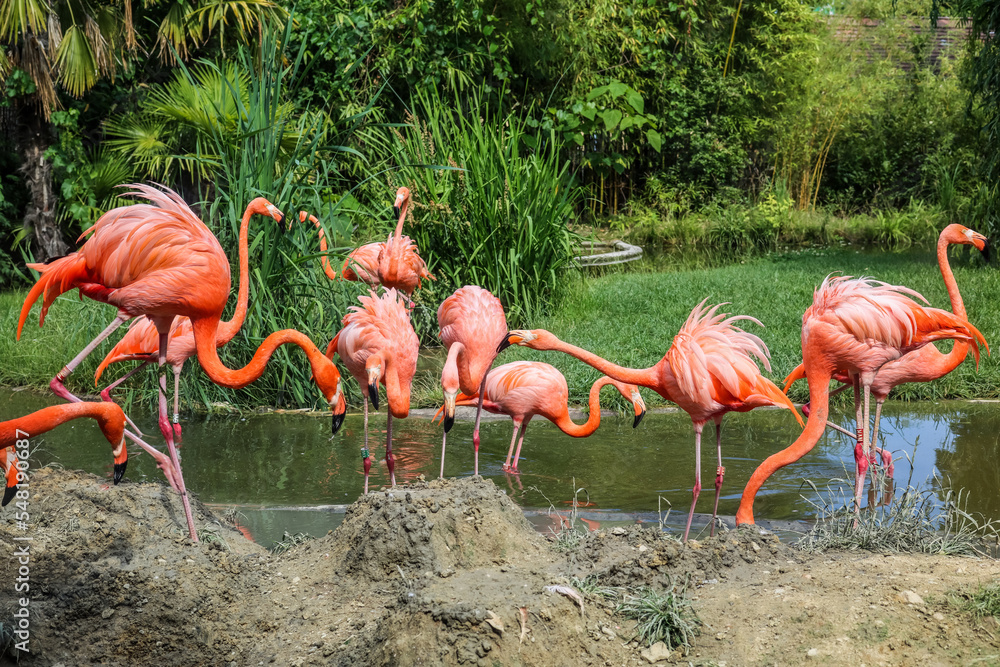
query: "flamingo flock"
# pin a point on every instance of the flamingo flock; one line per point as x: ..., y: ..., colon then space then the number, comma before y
x: 159, y: 265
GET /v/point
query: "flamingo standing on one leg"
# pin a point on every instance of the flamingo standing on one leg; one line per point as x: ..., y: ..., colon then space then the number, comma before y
x: 161, y: 261
x: 927, y: 363
x: 109, y: 417
x: 523, y: 389
x: 142, y: 340
x: 855, y: 327
x: 399, y: 265
x: 708, y: 371
x: 472, y: 324
x: 377, y: 344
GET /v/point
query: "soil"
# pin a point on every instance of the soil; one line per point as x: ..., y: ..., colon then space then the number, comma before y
x: 450, y: 572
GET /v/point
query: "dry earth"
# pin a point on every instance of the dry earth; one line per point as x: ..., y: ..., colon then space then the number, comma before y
x: 439, y: 573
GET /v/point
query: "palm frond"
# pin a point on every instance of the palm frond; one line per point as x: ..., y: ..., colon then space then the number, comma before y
x: 18, y: 18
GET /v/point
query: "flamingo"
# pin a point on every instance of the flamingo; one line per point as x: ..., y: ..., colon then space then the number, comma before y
x: 855, y: 326
x: 161, y: 261
x: 708, y: 371
x: 109, y: 417
x: 142, y: 340
x: 523, y: 389
x: 378, y: 344
x: 922, y: 365
x: 361, y: 264
x: 472, y: 324
x: 399, y: 265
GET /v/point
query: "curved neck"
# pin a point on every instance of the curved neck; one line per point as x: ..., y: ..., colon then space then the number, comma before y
x: 566, y: 424
x: 451, y: 367
x: 960, y: 349
x: 229, y: 329
x: 402, y: 216
x: 219, y: 373
x: 325, y: 260
x: 46, y: 419
x: 819, y: 402
x: 644, y: 377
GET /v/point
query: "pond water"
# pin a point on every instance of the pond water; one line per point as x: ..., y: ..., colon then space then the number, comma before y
x: 282, y: 472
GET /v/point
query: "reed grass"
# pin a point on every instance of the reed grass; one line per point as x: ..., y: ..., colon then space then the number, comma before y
x: 666, y: 617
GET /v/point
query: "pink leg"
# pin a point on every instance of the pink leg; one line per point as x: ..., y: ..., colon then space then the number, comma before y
x: 57, y: 385
x: 720, y: 472
x: 106, y: 393
x: 860, y: 448
x: 513, y: 439
x: 366, y: 457
x: 520, y: 441
x: 479, y: 414
x: 390, y: 460
x: 168, y: 435
x: 177, y: 396
x: 444, y: 443
x: 697, y: 476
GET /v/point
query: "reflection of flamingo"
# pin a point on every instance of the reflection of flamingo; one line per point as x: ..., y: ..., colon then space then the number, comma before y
x: 109, y: 417
x: 927, y: 363
x: 161, y: 261
x: 523, y: 389
x: 142, y: 340
x: 378, y: 344
x: 472, y: 324
x: 399, y: 265
x: 708, y: 371
x: 855, y: 327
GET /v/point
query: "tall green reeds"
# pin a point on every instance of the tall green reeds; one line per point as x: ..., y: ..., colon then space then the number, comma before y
x: 498, y: 218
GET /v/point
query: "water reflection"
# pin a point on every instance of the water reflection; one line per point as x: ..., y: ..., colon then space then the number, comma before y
x: 290, y: 460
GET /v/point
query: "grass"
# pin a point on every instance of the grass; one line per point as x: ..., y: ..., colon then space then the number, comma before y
x: 980, y: 603
x: 290, y: 541
x: 666, y: 617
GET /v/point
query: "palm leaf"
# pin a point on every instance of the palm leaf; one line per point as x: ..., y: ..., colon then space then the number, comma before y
x: 19, y: 17
x: 76, y: 62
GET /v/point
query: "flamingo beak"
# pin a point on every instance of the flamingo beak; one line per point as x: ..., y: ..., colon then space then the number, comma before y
x: 11, y: 476
x: 509, y: 339
x: 986, y: 250
x: 373, y: 394
x: 395, y: 210
x: 338, y: 420
x: 640, y: 408
x: 449, y: 411
x: 120, y: 471
x: 8, y: 495
x: 638, y: 418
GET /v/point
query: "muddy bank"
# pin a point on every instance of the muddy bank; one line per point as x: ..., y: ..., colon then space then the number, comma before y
x: 448, y: 572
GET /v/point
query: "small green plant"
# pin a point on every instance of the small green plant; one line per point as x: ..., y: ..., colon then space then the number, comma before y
x: 980, y: 603
x: 591, y: 586
x: 290, y: 541
x: 666, y: 617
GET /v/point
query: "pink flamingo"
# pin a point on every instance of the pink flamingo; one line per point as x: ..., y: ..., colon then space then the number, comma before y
x: 161, y: 261
x: 399, y: 265
x: 109, y: 418
x: 377, y: 344
x: 855, y: 327
x: 361, y: 264
x: 142, y: 341
x: 524, y: 389
x: 708, y: 371
x: 472, y: 324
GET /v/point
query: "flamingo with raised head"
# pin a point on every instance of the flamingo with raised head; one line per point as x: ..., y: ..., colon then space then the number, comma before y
x: 399, y: 265
x: 855, y: 327
x: 109, y: 417
x: 472, y: 324
x: 524, y: 389
x: 708, y: 371
x: 142, y: 340
x: 923, y: 365
x: 161, y: 261
x: 378, y: 345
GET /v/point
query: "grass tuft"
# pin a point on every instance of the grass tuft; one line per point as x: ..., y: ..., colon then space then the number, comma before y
x: 290, y: 541
x: 980, y: 603
x: 666, y: 617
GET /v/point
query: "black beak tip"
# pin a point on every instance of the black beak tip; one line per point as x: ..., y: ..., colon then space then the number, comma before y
x: 638, y: 418
x: 448, y: 423
x: 986, y: 251
x: 281, y: 221
x: 338, y: 420
x: 8, y: 495
x: 504, y: 344
x: 373, y: 395
x: 395, y: 210
x: 120, y: 471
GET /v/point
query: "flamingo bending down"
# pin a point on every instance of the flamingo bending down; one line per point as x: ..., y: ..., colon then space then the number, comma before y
x: 708, y: 371
x: 161, y: 261
x: 109, y: 417
x: 399, y: 265
x: 927, y: 363
x: 377, y: 344
x: 855, y: 327
x: 142, y: 340
x: 472, y: 324
x: 523, y: 389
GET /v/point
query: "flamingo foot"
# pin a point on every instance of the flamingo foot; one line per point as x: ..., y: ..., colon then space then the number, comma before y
x: 390, y: 463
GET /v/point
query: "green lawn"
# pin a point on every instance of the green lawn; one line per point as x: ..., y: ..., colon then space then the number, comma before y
x: 628, y: 317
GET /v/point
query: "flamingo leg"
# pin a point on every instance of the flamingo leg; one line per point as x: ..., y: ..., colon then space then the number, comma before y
x: 697, y: 477
x: 869, y: 444
x: 880, y: 452
x: 720, y: 472
x: 365, y: 455
x: 390, y: 460
x: 513, y: 439
x: 444, y: 443
x: 520, y: 441
x: 479, y: 414
x: 106, y: 392
x: 860, y: 455
x: 57, y: 385
x: 177, y: 398
x: 168, y: 435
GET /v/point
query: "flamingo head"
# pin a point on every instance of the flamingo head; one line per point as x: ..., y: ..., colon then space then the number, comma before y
x: 261, y: 206
x: 402, y: 198
x: 450, y: 386
x: 328, y: 380
x: 638, y: 405
x: 536, y: 339
x: 960, y: 234
x: 374, y: 368
x: 112, y: 424
x: 9, y: 461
